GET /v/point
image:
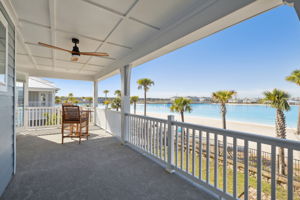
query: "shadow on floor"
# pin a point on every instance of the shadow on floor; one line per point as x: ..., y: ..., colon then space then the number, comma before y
x: 100, y: 168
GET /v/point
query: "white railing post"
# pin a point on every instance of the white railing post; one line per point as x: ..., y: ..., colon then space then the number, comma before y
x: 95, y: 101
x: 125, y: 101
x: 26, y: 100
x: 170, y: 162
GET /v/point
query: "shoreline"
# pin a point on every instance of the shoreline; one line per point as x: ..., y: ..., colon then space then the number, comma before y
x: 255, y: 128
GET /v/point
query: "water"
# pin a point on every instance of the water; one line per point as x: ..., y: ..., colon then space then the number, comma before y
x: 261, y: 114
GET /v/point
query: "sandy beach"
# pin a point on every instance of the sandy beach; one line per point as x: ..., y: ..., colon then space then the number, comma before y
x: 260, y: 129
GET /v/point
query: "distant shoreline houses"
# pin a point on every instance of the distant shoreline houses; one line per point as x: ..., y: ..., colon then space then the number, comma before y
x: 195, y: 100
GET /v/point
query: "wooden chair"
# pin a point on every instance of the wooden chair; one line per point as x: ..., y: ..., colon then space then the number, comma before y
x: 75, y: 121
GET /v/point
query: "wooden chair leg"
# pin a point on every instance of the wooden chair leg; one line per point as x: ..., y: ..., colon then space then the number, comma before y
x: 80, y: 130
x: 87, y: 130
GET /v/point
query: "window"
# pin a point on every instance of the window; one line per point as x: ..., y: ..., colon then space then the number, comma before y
x: 3, y: 53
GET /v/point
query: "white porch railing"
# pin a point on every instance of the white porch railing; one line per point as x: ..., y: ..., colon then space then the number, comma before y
x: 109, y: 120
x: 43, y: 116
x: 203, y: 155
x: 39, y: 117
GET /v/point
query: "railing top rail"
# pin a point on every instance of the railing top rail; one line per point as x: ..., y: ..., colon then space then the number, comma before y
x: 286, y: 143
x: 147, y: 117
x: 29, y: 107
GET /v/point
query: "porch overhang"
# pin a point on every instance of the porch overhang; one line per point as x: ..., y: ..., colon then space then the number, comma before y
x: 131, y: 31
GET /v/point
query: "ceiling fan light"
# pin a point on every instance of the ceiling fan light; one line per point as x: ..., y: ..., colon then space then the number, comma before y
x: 74, y: 58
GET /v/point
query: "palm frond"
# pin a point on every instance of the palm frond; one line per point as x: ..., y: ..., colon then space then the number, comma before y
x: 277, y: 99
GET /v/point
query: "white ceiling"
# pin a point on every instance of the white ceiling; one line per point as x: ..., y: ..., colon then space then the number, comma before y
x: 125, y: 29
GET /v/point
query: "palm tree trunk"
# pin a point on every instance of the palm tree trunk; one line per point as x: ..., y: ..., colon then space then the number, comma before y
x: 182, y: 116
x: 145, y: 102
x: 281, y: 133
x: 134, y: 107
x: 298, y: 126
x: 223, y: 111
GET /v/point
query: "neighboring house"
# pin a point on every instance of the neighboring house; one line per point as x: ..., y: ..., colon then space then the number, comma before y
x: 41, y: 92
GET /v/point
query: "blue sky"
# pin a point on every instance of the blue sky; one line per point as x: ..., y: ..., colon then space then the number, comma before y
x: 251, y: 57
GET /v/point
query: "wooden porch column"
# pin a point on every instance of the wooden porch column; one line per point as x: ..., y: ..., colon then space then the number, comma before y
x: 125, y: 100
x: 95, y: 101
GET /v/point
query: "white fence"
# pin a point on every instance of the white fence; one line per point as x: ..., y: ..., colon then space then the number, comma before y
x: 109, y: 120
x: 202, y: 155
x: 39, y: 117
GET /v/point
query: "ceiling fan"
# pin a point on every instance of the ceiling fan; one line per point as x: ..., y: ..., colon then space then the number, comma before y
x: 75, y: 51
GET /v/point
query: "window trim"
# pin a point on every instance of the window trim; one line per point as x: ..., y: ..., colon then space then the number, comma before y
x: 5, y: 24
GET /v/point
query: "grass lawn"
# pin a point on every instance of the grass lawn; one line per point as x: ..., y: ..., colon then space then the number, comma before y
x: 281, y: 192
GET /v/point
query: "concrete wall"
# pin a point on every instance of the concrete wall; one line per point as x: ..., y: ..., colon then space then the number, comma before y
x: 7, y: 104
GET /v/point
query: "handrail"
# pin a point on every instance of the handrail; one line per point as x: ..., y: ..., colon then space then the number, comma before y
x: 286, y: 143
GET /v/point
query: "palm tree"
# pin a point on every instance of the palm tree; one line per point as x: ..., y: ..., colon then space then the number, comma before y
x: 278, y: 99
x: 222, y: 97
x: 118, y: 93
x: 295, y: 78
x: 105, y: 93
x: 134, y: 100
x: 145, y: 83
x: 116, y: 103
x: 181, y: 105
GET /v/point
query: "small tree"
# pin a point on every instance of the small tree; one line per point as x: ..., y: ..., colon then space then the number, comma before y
x: 57, y: 100
x: 295, y: 78
x: 181, y: 105
x: 116, y: 103
x: 118, y: 93
x: 222, y: 97
x: 105, y: 93
x: 134, y: 100
x: 145, y: 84
x: 278, y: 99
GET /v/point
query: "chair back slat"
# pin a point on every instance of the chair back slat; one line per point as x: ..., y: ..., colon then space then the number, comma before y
x: 71, y: 113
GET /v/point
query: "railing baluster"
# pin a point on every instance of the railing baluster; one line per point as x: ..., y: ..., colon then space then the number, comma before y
x: 234, y: 168
x: 200, y: 155
x: 160, y: 140
x: 246, y: 170
x: 224, y: 163
x: 290, y: 173
x: 187, y: 150
x: 182, y: 148
x: 135, y: 131
x: 194, y: 153
x: 165, y: 142
x: 176, y: 147
x: 157, y: 139
x: 216, y: 177
x: 259, y: 168
x: 140, y: 132
x: 151, y: 136
x: 273, y: 172
x: 207, y: 157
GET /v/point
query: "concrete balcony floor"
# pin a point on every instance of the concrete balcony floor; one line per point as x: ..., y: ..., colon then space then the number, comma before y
x: 100, y: 168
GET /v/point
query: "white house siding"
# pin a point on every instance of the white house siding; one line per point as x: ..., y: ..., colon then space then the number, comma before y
x: 7, y: 104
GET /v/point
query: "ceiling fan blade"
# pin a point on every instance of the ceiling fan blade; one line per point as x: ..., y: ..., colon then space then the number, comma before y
x: 53, y: 47
x: 94, y: 53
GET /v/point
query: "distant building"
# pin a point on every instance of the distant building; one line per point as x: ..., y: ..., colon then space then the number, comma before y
x: 41, y: 92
